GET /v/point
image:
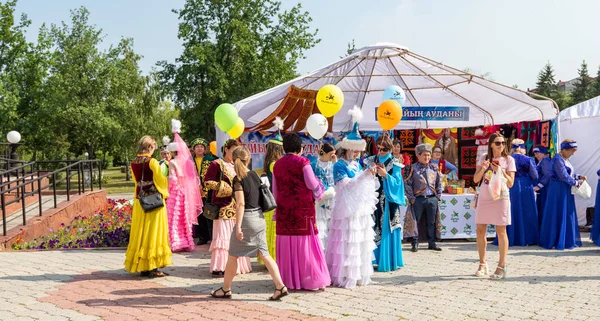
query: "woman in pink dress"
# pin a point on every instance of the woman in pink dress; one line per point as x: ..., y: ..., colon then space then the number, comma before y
x: 184, y: 201
x: 490, y: 211
x: 219, y: 181
x: 299, y: 254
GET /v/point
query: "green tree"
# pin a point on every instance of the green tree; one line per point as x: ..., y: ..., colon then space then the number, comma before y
x: 350, y: 49
x: 596, y: 86
x: 583, y: 85
x: 232, y: 50
x: 563, y: 99
x: 79, y: 84
x: 13, y: 50
x: 486, y: 75
x: 546, y: 85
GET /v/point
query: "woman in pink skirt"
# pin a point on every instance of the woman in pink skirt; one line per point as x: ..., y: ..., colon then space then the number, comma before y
x: 219, y: 180
x: 299, y: 254
x: 184, y: 202
x: 490, y: 211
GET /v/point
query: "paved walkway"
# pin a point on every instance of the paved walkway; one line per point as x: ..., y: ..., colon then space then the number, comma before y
x: 91, y: 285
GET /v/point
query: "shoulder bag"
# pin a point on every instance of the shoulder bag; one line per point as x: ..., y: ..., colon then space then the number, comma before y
x: 266, y: 198
x: 149, y: 201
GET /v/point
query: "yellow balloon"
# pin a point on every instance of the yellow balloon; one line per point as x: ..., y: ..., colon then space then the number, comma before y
x: 389, y: 114
x: 237, y: 130
x: 330, y: 100
x: 213, y: 147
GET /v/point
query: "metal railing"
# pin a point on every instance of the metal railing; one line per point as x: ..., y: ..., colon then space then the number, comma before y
x: 31, y: 174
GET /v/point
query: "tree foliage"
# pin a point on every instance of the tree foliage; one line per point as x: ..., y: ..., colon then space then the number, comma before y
x: 546, y: 84
x: 595, y: 92
x: 232, y: 50
x: 67, y: 96
x: 548, y: 87
x: 583, y: 85
x: 13, y: 52
x: 349, y: 49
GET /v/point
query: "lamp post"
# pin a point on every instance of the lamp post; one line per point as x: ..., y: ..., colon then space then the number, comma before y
x: 87, y: 179
x: 13, y: 137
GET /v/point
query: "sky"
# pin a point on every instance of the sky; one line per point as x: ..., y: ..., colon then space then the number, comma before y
x: 510, y: 39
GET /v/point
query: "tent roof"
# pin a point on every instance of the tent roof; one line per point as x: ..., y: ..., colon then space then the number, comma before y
x: 586, y: 109
x: 366, y: 73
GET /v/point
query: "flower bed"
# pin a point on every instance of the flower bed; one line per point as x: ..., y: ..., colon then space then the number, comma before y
x: 108, y: 227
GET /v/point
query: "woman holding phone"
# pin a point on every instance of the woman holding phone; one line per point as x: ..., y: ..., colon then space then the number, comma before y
x: 490, y: 211
x: 390, y: 208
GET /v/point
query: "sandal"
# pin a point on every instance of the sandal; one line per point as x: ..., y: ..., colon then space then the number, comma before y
x: 281, y: 294
x: 500, y: 276
x: 483, y: 270
x: 157, y: 274
x: 218, y: 274
x: 224, y: 296
x: 145, y: 274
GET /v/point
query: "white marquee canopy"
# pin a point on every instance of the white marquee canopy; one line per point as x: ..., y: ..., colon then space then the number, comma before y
x: 365, y: 74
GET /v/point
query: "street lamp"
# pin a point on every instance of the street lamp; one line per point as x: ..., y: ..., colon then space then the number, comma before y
x: 87, y: 155
x: 13, y: 137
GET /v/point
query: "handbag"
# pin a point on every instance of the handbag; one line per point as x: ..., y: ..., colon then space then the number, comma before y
x: 149, y: 201
x: 266, y: 198
x: 475, y: 199
x: 584, y: 190
x: 211, y: 211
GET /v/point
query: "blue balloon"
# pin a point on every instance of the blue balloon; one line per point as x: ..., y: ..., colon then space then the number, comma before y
x: 394, y: 93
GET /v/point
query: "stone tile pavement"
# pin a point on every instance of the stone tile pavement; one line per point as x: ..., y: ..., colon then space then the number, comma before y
x: 91, y: 285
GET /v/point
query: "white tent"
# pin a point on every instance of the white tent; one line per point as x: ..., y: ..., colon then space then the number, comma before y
x: 365, y: 74
x: 582, y: 123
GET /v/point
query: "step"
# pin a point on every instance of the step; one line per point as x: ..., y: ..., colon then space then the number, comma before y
x: 15, y: 219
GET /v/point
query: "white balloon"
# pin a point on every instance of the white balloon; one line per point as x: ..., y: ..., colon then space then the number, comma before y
x: 13, y: 137
x: 317, y: 126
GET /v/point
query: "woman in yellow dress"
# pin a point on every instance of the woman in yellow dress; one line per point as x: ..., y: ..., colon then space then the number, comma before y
x: 148, y: 248
x: 274, y: 153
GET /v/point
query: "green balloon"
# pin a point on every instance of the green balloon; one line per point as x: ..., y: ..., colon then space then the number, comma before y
x: 225, y: 117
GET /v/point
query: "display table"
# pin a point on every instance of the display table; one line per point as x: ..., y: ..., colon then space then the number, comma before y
x: 458, y: 218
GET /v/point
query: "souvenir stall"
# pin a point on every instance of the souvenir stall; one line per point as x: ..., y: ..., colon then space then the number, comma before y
x: 430, y: 96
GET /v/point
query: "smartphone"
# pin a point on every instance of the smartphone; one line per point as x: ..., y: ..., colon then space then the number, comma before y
x: 495, y: 161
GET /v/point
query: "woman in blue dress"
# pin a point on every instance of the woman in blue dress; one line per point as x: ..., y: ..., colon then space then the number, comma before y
x: 391, y: 207
x: 323, y: 168
x: 595, y: 234
x: 524, y: 228
x: 560, y: 229
x: 544, y: 169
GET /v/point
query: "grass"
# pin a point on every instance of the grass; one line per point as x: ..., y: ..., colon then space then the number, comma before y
x: 116, y: 183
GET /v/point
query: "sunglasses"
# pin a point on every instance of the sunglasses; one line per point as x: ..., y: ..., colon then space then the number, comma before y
x: 499, y: 143
x: 383, y: 149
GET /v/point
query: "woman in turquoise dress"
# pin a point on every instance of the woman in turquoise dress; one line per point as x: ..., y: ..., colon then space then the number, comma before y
x: 389, y: 214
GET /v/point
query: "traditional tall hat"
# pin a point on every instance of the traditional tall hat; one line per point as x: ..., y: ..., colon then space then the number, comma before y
x: 353, y: 141
x: 199, y: 141
x: 165, y: 140
x: 175, y: 129
x: 278, y: 122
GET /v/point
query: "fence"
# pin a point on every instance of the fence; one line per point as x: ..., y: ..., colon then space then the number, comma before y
x: 26, y: 180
